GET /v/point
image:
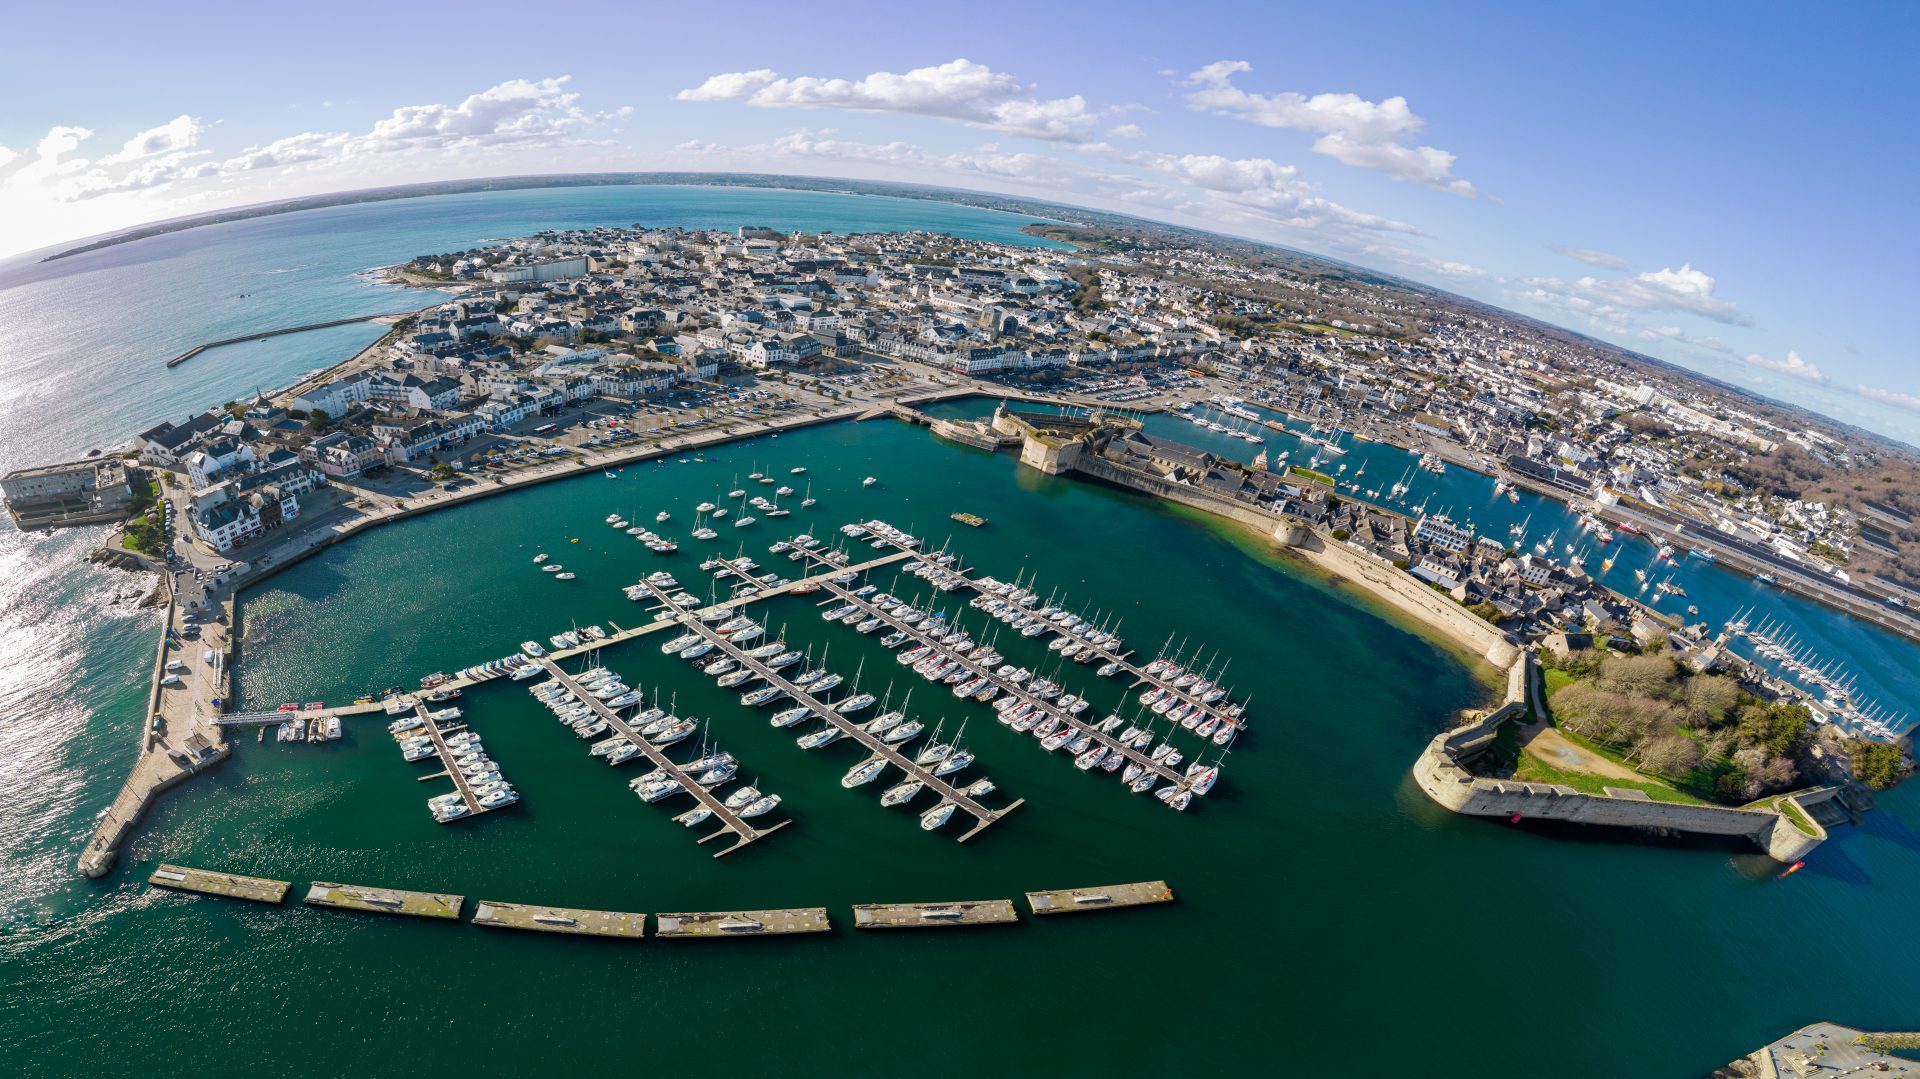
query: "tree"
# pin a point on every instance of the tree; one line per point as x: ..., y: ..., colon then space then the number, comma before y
x: 1645, y: 676
x: 318, y: 419
x: 1671, y: 754
x: 1789, y: 728
x: 1709, y: 699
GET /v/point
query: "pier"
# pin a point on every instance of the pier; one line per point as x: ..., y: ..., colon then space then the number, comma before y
x: 595, y: 923
x: 742, y: 923
x: 264, y: 334
x: 933, y: 915
x: 445, y: 754
x: 1106, y: 897
x: 1119, y: 658
x: 1169, y: 775
x: 848, y: 728
x: 384, y: 900
x: 211, y: 882
x: 730, y: 822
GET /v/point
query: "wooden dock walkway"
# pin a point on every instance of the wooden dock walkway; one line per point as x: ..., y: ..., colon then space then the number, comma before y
x: 384, y: 900
x: 445, y: 754
x: 933, y: 915
x: 729, y: 820
x: 1106, y: 897
x: 742, y: 923
x: 847, y: 727
x: 596, y: 923
x: 1019, y: 693
x: 212, y: 882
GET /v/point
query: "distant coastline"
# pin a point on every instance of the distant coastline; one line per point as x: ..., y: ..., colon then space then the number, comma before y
x: 820, y: 185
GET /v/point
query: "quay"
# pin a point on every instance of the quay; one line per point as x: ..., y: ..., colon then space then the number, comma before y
x: 742, y: 923
x: 1020, y: 693
x: 264, y: 334
x: 445, y: 755
x: 933, y: 915
x: 210, y: 882
x: 384, y: 900
x: 596, y: 923
x: 874, y: 745
x: 730, y: 822
x: 1107, y: 897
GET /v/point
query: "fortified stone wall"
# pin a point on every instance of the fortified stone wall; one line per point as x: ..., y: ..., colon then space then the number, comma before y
x: 1442, y: 773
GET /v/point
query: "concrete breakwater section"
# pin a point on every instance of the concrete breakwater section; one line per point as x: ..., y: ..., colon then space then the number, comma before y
x: 632, y: 925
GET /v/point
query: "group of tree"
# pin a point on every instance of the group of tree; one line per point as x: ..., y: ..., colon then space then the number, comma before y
x: 1672, y: 723
x: 1878, y: 764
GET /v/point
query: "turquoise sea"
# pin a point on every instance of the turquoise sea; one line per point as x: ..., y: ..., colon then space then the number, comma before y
x: 1330, y: 920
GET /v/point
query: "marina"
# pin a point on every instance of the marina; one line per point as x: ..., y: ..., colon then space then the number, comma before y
x: 933, y: 915
x: 594, y: 923
x: 835, y: 719
x: 742, y: 923
x: 212, y: 882
x: 384, y: 900
x: 727, y: 816
x: 1107, y: 897
x: 1028, y: 704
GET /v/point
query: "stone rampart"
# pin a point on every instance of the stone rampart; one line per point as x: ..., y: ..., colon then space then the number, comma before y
x: 1442, y: 773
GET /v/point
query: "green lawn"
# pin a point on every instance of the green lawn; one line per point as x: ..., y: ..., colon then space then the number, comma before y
x: 1533, y: 769
x: 1555, y: 680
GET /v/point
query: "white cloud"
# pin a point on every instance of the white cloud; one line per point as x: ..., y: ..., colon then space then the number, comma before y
x: 1366, y: 134
x: 1256, y: 183
x: 1592, y: 257
x: 55, y: 191
x: 1686, y: 290
x: 1792, y: 366
x: 1125, y: 131
x: 731, y: 86
x: 50, y: 162
x: 1897, y: 399
x: 959, y: 90
x: 180, y: 133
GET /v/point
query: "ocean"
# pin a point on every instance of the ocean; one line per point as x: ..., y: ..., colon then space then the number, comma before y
x: 1322, y: 899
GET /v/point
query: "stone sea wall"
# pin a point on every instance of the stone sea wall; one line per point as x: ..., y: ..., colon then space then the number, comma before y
x: 1442, y: 773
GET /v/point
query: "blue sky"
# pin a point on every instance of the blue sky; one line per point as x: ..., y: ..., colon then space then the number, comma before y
x: 1725, y: 186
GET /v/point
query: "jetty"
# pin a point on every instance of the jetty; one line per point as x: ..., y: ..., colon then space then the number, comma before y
x: 848, y: 728
x: 384, y: 900
x: 730, y: 821
x: 264, y: 334
x: 1119, y: 657
x: 595, y: 923
x: 1105, y: 897
x: 212, y: 882
x: 742, y: 923
x: 914, y: 633
x: 933, y: 915
x: 445, y: 754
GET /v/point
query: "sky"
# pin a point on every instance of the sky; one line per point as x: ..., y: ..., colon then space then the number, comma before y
x: 1724, y: 186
